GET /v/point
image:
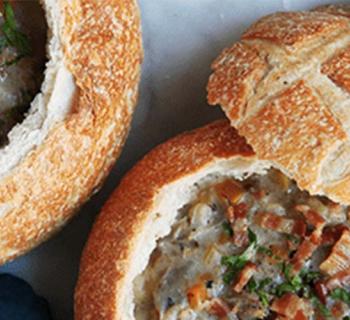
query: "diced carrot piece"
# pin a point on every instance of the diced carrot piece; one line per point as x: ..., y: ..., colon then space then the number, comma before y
x: 230, y: 190
x: 196, y: 295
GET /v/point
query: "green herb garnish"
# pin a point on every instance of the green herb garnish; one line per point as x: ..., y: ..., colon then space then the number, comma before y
x: 341, y: 294
x: 259, y: 289
x: 12, y: 36
x: 235, y: 263
x: 310, y: 276
x: 265, y: 250
x: 320, y: 306
x: 227, y: 229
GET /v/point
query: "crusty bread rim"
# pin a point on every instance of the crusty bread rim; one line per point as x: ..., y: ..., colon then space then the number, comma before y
x: 142, y: 210
x: 101, y: 45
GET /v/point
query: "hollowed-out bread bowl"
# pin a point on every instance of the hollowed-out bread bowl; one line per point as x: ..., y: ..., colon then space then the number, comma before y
x: 73, y: 130
x: 198, y: 223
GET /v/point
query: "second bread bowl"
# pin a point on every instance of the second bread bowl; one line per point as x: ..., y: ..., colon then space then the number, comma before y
x: 201, y: 228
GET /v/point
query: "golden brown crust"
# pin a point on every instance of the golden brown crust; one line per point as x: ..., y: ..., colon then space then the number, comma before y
x: 291, y: 28
x: 338, y: 9
x: 237, y: 71
x: 105, y: 260
x: 338, y: 69
x: 312, y: 132
x: 102, y: 46
x: 296, y: 113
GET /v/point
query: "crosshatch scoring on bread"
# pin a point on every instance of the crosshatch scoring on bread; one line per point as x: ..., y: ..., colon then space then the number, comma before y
x: 285, y: 87
x: 253, y: 249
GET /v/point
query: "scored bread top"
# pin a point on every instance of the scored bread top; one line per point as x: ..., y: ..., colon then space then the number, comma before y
x: 285, y: 86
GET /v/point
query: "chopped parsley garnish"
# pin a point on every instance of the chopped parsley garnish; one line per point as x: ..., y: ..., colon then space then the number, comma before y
x: 310, y: 276
x: 13, y: 37
x: 227, y: 229
x: 321, y: 307
x: 265, y: 250
x: 298, y: 284
x: 235, y: 263
x: 341, y: 294
x: 260, y: 290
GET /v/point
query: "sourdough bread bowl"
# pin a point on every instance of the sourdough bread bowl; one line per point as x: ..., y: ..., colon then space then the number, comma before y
x: 201, y: 228
x: 285, y: 87
x: 76, y: 122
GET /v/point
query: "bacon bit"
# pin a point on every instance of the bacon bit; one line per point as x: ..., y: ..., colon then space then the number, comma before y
x: 218, y: 308
x: 302, y: 208
x: 258, y: 195
x: 289, y: 305
x: 314, y: 218
x: 332, y: 234
x: 300, y: 315
x: 339, y: 258
x: 279, y: 252
x: 321, y: 291
x: 240, y: 210
x: 240, y: 225
x: 244, y: 276
x: 304, y: 252
x: 230, y: 190
x: 340, y: 279
x: 310, y: 244
x: 338, y: 309
x: 272, y: 221
x: 196, y: 295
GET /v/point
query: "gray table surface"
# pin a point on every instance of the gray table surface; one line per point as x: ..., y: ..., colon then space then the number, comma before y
x: 181, y: 39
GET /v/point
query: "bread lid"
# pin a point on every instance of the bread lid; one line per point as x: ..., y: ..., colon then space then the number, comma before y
x: 285, y: 87
x: 77, y: 123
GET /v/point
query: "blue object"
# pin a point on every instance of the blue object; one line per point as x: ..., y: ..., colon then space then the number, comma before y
x: 18, y: 301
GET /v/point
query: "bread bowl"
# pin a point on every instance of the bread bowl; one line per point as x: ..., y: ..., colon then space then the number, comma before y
x: 160, y: 248
x: 73, y: 131
x: 285, y: 87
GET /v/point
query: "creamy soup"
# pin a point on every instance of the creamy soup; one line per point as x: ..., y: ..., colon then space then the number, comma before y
x: 22, y: 60
x: 257, y: 249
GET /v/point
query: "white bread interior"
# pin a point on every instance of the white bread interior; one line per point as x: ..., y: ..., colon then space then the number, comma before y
x: 53, y: 102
